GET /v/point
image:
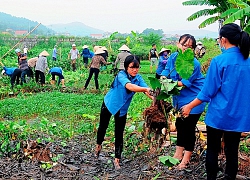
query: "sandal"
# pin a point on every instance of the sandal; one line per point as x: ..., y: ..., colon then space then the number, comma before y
x: 98, y: 150
x: 117, y: 164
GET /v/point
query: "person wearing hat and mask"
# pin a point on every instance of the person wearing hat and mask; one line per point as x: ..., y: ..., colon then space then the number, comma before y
x: 95, y: 67
x: 23, y: 65
x: 125, y: 51
x: 54, y: 53
x: 13, y: 72
x: 41, y: 66
x: 199, y: 50
x: 105, y: 56
x: 73, y: 55
x: 85, y: 55
x: 163, y: 59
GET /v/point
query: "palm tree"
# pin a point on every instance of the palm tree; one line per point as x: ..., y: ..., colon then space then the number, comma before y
x: 219, y: 6
x: 240, y: 11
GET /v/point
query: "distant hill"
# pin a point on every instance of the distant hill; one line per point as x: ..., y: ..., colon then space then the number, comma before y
x: 196, y: 33
x: 10, y: 22
x: 75, y: 29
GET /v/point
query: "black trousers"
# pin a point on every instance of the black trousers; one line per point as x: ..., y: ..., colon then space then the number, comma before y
x: 41, y: 75
x: 15, y: 77
x: 85, y: 61
x: 120, y: 123
x: 91, y: 72
x: 232, y: 140
x: 54, y: 74
x: 186, y: 131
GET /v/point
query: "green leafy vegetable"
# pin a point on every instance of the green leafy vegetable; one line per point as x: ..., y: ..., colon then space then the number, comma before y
x: 168, y: 161
x: 185, y: 63
x: 154, y: 83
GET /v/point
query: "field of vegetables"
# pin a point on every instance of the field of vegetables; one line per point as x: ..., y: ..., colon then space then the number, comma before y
x: 48, y: 132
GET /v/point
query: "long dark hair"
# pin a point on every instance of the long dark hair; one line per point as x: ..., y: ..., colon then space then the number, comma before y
x: 237, y: 37
x: 186, y: 37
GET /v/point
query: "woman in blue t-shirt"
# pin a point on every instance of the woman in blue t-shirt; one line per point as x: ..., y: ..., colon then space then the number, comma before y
x: 191, y: 87
x: 163, y: 59
x: 117, y: 101
x: 227, y: 90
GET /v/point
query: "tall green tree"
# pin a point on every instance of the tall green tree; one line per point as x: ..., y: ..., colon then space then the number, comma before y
x: 240, y: 11
x: 217, y: 8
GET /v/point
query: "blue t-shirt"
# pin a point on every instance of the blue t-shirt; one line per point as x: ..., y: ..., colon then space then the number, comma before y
x: 85, y: 53
x: 118, y: 97
x: 162, y: 63
x: 193, y: 85
x: 9, y: 71
x: 56, y: 69
x: 91, y: 54
x: 227, y: 89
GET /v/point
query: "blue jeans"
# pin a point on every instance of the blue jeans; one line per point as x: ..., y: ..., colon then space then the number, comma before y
x: 24, y: 72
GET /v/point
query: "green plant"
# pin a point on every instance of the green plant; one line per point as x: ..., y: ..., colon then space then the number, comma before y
x: 168, y: 161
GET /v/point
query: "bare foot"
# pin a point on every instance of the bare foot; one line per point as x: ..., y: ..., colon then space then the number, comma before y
x: 182, y: 165
x: 117, y: 164
x: 98, y: 150
x: 178, y: 153
x: 179, y: 157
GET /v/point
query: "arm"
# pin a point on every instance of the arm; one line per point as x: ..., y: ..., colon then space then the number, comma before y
x: 116, y: 61
x: 149, y: 56
x: 185, y: 110
x: 23, y: 58
x: 103, y: 60
x: 135, y: 88
x: 78, y: 54
x: 157, y: 54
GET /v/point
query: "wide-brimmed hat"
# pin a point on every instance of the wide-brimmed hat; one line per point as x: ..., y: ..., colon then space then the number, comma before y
x: 85, y: 46
x: 103, y: 48
x: 99, y: 51
x: 44, y: 53
x: 124, y: 48
x: 198, y: 43
x: 164, y: 49
x: 73, y: 45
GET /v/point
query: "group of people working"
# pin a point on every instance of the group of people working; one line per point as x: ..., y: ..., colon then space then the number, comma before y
x: 225, y: 88
x: 26, y: 67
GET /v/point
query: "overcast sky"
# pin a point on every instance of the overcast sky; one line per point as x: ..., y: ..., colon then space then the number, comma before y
x: 109, y: 15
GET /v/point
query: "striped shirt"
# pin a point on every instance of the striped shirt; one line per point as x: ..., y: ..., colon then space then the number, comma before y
x: 23, y: 64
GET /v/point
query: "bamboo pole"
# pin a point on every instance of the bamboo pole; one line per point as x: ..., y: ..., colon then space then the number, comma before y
x: 18, y: 44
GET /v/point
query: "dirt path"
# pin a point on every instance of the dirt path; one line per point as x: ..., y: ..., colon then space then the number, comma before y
x: 76, y: 161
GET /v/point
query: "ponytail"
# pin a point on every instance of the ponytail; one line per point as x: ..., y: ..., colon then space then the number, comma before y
x: 244, y: 44
x: 237, y: 37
